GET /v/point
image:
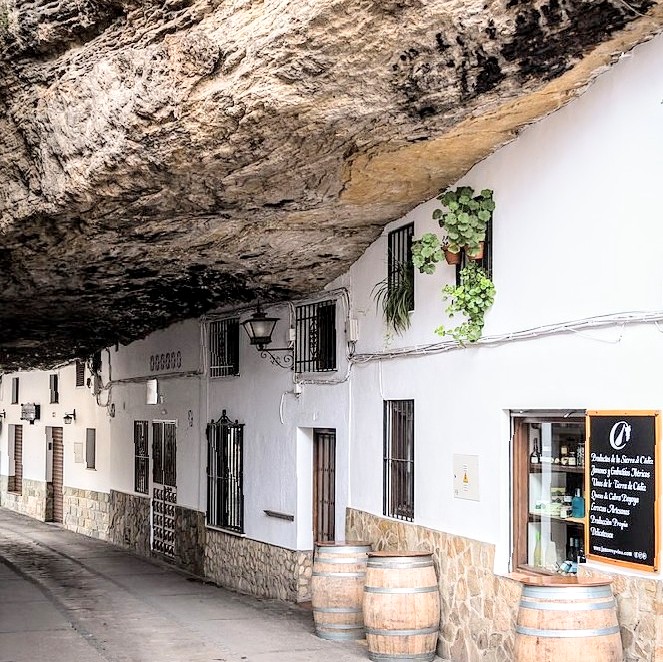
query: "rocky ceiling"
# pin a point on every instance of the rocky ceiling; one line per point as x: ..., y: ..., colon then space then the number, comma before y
x: 159, y: 158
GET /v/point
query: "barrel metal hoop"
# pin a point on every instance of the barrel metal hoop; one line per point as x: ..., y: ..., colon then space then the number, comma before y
x: 569, y: 606
x: 416, y: 589
x: 566, y: 592
x: 341, y: 636
x: 343, y: 550
x: 340, y: 626
x: 566, y: 634
x: 402, y: 633
x: 341, y: 561
x: 411, y: 657
x: 336, y: 610
x: 339, y: 574
x: 400, y: 566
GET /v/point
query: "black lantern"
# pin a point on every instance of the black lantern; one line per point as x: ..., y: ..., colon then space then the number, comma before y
x: 259, y: 328
x: 69, y: 418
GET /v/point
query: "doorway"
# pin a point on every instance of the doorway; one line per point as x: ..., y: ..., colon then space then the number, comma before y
x: 57, y: 474
x: 164, y: 487
x: 324, y: 485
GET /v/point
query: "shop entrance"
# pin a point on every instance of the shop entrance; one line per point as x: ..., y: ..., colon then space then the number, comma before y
x: 164, y: 487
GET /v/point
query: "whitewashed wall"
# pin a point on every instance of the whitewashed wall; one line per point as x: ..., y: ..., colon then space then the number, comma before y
x: 577, y: 233
x: 34, y: 388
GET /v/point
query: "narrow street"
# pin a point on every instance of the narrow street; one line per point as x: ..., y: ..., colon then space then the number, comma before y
x: 69, y: 598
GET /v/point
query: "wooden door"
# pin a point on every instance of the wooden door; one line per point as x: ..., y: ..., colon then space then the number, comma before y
x: 324, y: 485
x: 58, y: 466
x: 16, y: 481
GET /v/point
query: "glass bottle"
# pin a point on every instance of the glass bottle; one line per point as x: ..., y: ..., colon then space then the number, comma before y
x: 537, y: 550
x: 535, y: 456
x: 578, y: 505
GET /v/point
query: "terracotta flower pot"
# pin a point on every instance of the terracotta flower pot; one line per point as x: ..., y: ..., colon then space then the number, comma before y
x: 451, y: 258
x: 478, y: 253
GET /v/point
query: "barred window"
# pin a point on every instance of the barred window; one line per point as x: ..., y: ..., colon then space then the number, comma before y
x: 53, y: 386
x: 80, y: 372
x: 400, y: 273
x: 398, y: 475
x: 224, y: 348
x: 164, y: 453
x: 315, y: 343
x: 14, y: 390
x: 225, y: 474
x: 141, y: 457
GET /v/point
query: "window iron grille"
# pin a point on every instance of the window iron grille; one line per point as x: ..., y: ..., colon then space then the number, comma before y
x: 225, y: 474
x: 53, y: 387
x: 164, y: 452
x: 400, y: 269
x: 14, y: 390
x: 398, y: 473
x: 315, y: 333
x: 141, y: 457
x: 224, y: 348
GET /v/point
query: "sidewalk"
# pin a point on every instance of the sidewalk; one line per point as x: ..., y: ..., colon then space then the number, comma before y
x: 68, y: 598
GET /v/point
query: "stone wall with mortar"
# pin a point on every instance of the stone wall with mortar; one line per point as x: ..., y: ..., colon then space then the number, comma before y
x: 190, y: 540
x: 478, y: 608
x: 86, y: 512
x: 129, y: 521
x: 32, y: 502
x: 257, y: 568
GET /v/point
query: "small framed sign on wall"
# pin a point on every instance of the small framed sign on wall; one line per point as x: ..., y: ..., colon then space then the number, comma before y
x: 623, y: 488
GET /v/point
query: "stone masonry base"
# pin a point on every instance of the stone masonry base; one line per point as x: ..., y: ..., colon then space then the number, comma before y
x: 32, y: 502
x: 86, y: 512
x: 257, y: 568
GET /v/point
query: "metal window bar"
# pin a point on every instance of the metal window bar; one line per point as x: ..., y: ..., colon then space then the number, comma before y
x: 399, y: 247
x: 53, y: 387
x: 169, y: 454
x: 315, y: 345
x: 325, y: 484
x: 224, y: 348
x: 141, y: 457
x: 398, y: 466
x: 486, y: 262
x: 157, y: 453
x: 14, y: 390
x: 225, y: 474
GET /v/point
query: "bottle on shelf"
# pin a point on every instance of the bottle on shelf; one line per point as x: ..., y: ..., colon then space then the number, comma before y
x: 537, y: 550
x: 535, y: 455
x: 581, y: 553
x: 578, y: 505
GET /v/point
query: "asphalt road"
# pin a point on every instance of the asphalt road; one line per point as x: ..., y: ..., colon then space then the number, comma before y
x: 69, y: 598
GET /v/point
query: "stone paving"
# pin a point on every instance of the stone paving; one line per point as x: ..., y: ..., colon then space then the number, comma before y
x: 65, y: 597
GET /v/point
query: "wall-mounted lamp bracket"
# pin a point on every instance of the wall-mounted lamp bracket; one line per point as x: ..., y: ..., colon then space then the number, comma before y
x: 69, y: 418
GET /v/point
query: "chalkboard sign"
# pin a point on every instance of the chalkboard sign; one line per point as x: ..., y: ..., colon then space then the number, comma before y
x: 622, y: 489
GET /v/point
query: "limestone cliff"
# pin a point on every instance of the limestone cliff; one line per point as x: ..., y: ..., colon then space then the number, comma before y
x: 161, y: 157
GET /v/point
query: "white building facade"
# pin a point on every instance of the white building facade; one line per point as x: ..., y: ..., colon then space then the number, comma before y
x: 312, y: 452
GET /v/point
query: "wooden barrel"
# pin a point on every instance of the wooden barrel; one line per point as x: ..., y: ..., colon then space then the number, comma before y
x: 401, y: 606
x: 337, y: 584
x: 568, y: 620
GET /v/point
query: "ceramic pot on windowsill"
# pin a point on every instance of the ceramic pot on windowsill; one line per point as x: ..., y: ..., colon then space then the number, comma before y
x: 477, y: 253
x: 451, y: 257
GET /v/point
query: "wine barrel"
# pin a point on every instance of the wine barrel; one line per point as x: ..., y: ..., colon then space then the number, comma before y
x: 401, y: 606
x: 337, y: 584
x: 567, y: 620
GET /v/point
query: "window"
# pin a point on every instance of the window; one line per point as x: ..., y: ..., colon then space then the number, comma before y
x: 225, y: 471
x: 224, y: 348
x: 53, y: 385
x: 80, y: 372
x: 398, y: 476
x: 486, y: 262
x: 548, y: 491
x: 315, y: 345
x: 90, y: 448
x: 164, y: 454
x: 400, y: 270
x: 152, y: 392
x: 141, y: 457
x: 14, y: 390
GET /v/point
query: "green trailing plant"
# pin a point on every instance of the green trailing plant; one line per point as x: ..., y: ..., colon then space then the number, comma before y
x: 465, y: 219
x: 394, y: 293
x: 472, y: 298
x: 427, y: 252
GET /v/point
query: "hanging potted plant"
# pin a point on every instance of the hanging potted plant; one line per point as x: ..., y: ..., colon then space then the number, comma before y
x: 465, y: 219
x: 395, y: 294
x: 472, y: 298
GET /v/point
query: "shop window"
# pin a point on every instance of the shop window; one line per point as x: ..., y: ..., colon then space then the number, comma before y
x: 315, y: 345
x: 224, y: 348
x: 549, y: 492
x: 90, y: 448
x: 225, y: 474
x: 53, y: 386
x: 80, y: 372
x: 400, y: 270
x: 398, y: 472
x: 141, y: 457
x: 14, y: 390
